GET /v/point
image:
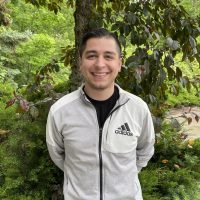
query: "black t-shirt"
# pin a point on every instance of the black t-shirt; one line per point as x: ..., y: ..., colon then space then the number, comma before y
x: 103, y: 108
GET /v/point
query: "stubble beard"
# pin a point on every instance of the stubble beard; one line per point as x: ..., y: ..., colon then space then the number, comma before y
x: 100, y: 86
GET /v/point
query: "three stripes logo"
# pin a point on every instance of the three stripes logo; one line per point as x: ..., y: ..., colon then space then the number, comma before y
x: 124, y: 130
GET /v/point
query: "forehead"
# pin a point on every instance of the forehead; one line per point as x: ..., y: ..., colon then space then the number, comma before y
x: 104, y: 44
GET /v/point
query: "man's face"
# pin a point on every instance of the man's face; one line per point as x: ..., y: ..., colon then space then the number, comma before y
x: 100, y: 63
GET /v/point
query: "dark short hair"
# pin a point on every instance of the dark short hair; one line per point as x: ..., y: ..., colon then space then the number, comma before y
x: 98, y: 33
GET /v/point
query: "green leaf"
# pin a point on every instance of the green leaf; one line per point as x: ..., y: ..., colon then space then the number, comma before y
x: 146, y: 66
x: 192, y: 42
x: 186, y: 83
x: 122, y: 40
x: 157, y: 35
x: 178, y: 73
x: 162, y: 76
x: 127, y: 30
x: 132, y: 61
x: 172, y: 44
x: 138, y: 75
x: 171, y: 73
x: 175, y: 45
x: 174, y: 90
x: 152, y: 98
x: 114, y: 27
x: 155, y: 55
x: 56, y: 67
x: 134, y: 38
x: 168, y: 61
x: 169, y: 41
x: 131, y: 18
x: 34, y: 112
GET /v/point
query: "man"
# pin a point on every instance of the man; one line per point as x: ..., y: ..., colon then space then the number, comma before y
x: 100, y: 135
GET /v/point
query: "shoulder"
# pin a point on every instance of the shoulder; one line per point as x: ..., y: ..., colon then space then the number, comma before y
x: 65, y: 101
x: 133, y: 99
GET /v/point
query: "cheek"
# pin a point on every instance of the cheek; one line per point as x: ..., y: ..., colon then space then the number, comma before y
x: 84, y: 69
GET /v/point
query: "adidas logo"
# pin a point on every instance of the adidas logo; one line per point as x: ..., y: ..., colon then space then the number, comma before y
x: 124, y: 130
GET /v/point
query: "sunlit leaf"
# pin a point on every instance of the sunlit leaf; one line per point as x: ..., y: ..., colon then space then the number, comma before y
x: 176, y: 166
x: 191, y: 142
x: 165, y: 161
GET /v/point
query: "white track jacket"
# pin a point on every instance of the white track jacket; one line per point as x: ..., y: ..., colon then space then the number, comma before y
x: 100, y: 163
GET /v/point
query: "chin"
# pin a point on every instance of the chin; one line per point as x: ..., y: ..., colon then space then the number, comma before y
x: 101, y: 86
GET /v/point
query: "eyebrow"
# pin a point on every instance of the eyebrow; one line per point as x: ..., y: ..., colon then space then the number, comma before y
x: 106, y: 52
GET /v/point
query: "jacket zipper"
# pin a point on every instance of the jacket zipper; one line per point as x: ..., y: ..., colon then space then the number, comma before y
x: 100, y: 162
x: 100, y: 154
x: 100, y: 165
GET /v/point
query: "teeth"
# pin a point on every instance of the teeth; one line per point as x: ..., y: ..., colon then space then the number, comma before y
x: 100, y: 74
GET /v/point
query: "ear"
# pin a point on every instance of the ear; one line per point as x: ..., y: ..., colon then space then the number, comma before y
x: 120, y: 64
x: 79, y: 63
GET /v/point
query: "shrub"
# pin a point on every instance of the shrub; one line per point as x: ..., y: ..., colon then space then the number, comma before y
x: 26, y: 171
x: 174, y: 171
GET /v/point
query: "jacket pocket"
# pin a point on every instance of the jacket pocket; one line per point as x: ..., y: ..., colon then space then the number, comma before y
x: 121, y: 131
x: 120, y: 139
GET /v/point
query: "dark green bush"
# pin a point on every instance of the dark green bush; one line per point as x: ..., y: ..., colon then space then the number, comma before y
x: 174, y: 171
x: 26, y: 171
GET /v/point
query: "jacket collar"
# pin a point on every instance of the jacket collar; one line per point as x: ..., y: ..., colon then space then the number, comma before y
x: 123, y: 98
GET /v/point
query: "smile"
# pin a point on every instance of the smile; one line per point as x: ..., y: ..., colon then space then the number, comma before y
x: 100, y: 74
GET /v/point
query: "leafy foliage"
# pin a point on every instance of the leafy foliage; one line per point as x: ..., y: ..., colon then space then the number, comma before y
x: 9, y: 39
x: 40, y: 20
x: 154, y: 32
x: 174, y: 169
x: 26, y: 171
x: 160, y: 31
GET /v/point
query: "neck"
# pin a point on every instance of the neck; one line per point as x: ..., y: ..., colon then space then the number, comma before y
x: 99, y: 94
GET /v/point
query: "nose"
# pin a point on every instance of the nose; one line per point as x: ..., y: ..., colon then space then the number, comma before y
x: 100, y: 62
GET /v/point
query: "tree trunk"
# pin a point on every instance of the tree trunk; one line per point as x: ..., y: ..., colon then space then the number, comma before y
x: 82, y: 16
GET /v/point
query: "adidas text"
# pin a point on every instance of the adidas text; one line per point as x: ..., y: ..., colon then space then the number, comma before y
x: 128, y: 133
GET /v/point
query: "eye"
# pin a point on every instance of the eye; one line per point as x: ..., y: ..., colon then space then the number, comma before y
x: 108, y: 57
x: 91, y: 56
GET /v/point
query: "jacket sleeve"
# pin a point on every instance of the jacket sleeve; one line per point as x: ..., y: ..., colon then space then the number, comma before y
x: 145, y: 146
x: 55, y: 142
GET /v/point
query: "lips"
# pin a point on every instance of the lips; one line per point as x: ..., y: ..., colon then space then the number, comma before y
x: 100, y: 74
